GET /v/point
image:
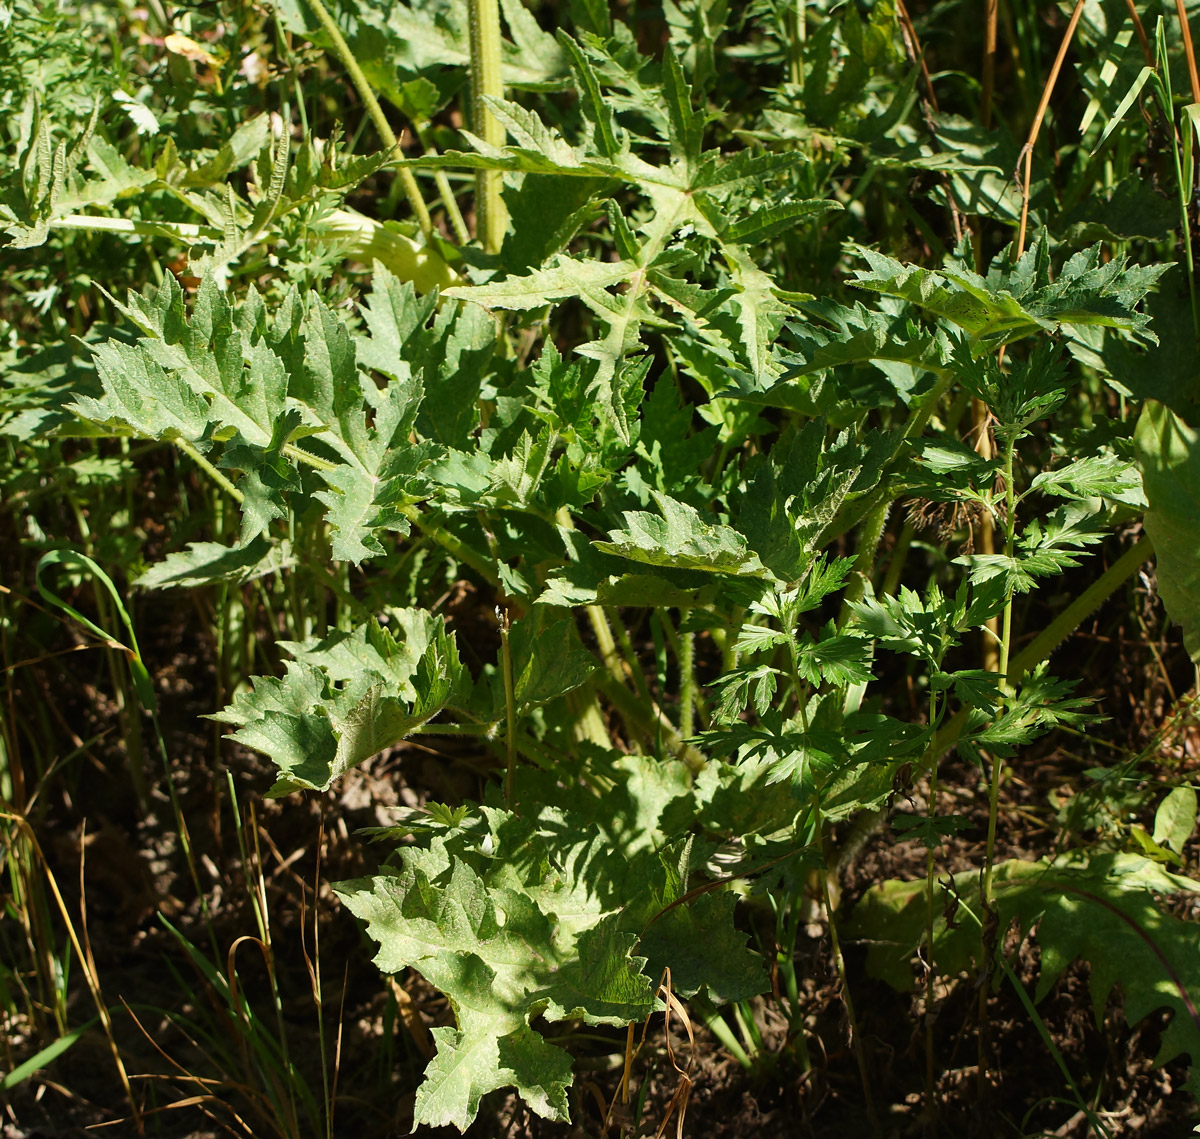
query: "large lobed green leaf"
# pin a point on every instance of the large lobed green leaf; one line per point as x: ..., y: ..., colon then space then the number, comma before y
x: 346, y: 697
x: 559, y: 912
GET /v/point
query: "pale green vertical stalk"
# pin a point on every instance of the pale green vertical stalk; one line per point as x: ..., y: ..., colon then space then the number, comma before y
x: 796, y: 47
x: 687, y: 679
x: 192, y: 453
x: 384, y: 129
x: 1010, y: 527
x: 510, y: 711
x: 491, y: 218
x: 891, y: 579
x: 987, y: 930
x: 457, y: 222
x: 840, y: 962
x: 869, y: 537
x: 930, y: 914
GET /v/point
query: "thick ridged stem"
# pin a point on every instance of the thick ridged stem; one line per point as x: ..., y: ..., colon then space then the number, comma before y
x: 486, y: 80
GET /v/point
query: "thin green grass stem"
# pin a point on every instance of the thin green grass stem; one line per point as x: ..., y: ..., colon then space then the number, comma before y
x: 1094, y: 1120
x: 931, y: 1105
x: 383, y: 128
x: 719, y: 1027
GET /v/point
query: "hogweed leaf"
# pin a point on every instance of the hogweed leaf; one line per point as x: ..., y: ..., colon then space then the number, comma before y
x: 1168, y: 451
x: 548, y: 914
x: 346, y: 698
x: 203, y: 563
x: 680, y: 538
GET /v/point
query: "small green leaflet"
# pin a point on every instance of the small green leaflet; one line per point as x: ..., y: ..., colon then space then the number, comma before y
x: 1095, y: 476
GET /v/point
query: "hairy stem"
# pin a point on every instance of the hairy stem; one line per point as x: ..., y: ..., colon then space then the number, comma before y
x: 687, y: 678
x: 510, y: 711
x: 650, y: 721
x: 449, y: 202
x: 212, y: 472
x: 1010, y: 534
x: 869, y: 537
x: 988, y: 929
x: 486, y: 80
x: 930, y: 914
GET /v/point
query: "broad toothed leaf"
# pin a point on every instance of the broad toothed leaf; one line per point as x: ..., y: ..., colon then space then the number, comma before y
x: 679, y: 537
x: 205, y: 562
x: 346, y: 698
x: 513, y: 917
x: 1169, y: 455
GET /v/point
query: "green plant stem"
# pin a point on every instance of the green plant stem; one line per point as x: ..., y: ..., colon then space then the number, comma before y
x: 510, y: 711
x: 617, y: 627
x: 891, y: 579
x: 457, y: 221
x: 180, y: 230
x: 1030, y: 657
x: 796, y: 42
x: 687, y: 680
x: 787, y: 924
x: 840, y: 962
x: 212, y: 472
x: 685, y: 652
x: 451, y: 544
x: 1185, y: 227
x: 487, y: 80
x: 1010, y: 534
x: 387, y: 136
x: 1047, y: 1039
x: 650, y: 721
x: 988, y: 947
x: 930, y: 966
x: 748, y: 1027
x: 603, y: 633
x: 869, y: 537
x: 719, y: 1027
x: 1080, y: 609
